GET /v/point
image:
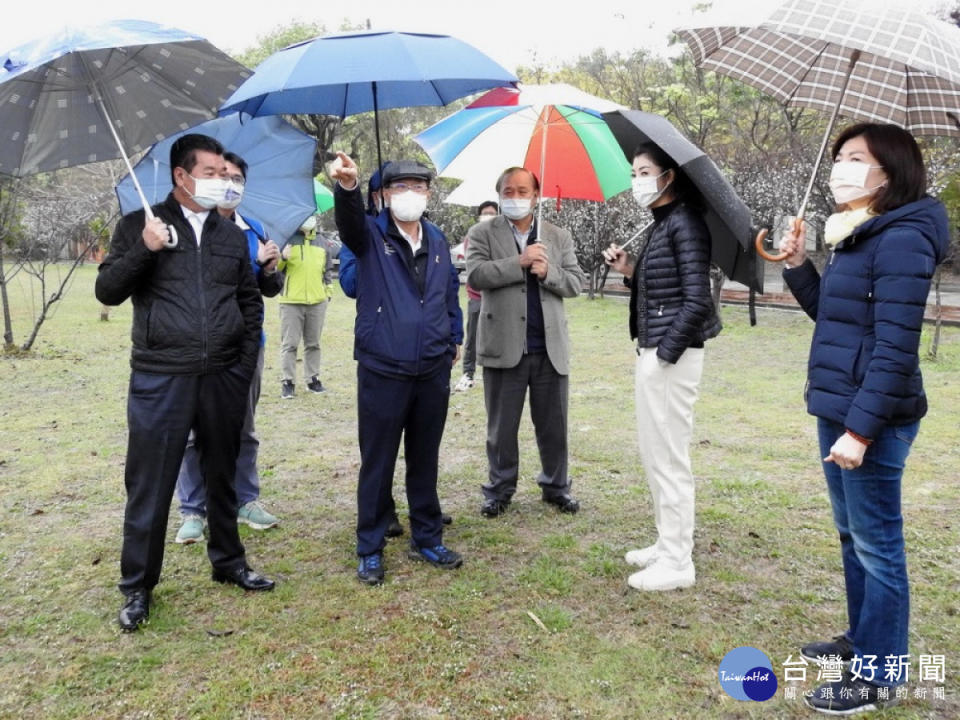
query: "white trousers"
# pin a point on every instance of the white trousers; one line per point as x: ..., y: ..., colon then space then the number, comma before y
x: 664, y: 401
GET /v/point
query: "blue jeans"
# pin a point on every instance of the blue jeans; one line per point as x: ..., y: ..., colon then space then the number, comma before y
x: 866, y: 512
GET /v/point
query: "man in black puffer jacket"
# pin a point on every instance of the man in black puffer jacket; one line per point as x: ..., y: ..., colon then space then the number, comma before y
x: 197, y: 315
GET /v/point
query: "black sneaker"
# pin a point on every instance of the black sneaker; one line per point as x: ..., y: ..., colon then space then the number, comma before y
x: 370, y: 569
x: 394, y: 529
x: 819, y: 652
x: 848, y: 696
x: 438, y: 556
x: 286, y: 390
x: 315, y: 386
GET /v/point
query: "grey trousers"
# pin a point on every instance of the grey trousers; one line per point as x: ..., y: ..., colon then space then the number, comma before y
x: 298, y: 321
x: 470, y: 339
x: 504, y: 392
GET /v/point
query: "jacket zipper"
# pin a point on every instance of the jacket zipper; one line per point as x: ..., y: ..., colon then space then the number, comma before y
x: 203, y: 307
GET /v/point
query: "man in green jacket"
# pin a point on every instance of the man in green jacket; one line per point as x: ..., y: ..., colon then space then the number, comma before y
x: 303, y: 306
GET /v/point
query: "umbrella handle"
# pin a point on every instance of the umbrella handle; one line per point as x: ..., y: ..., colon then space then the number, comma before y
x: 174, y: 238
x: 758, y: 244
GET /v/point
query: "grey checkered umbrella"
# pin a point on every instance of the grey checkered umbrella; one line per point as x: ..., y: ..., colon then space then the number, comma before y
x: 860, y: 58
x: 907, y: 73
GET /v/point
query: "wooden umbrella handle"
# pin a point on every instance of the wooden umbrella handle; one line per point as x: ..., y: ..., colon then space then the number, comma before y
x: 758, y: 243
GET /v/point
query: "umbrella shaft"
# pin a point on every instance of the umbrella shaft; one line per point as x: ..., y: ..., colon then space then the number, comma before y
x: 854, y: 57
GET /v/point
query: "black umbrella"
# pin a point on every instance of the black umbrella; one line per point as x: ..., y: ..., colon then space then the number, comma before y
x: 726, y: 215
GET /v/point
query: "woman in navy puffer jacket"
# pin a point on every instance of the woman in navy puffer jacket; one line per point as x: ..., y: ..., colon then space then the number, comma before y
x: 671, y: 316
x: 864, y: 385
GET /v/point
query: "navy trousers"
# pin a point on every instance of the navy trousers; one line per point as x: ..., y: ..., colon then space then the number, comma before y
x: 161, y: 409
x: 388, y: 407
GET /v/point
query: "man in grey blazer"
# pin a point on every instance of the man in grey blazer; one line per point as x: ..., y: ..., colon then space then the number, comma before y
x: 523, y: 272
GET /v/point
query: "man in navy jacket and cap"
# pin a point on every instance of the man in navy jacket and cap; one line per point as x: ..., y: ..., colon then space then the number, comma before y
x: 408, y: 334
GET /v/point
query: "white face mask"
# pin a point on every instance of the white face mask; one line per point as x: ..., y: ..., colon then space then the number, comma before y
x: 408, y: 206
x: 848, y: 181
x: 309, y: 225
x: 232, y: 195
x: 485, y: 218
x: 516, y: 208
x: 645, y: 190
x: 207, y: 192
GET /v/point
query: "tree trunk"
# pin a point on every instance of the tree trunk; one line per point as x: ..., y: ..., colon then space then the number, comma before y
x: 7, y: 322
x: 938, y: 314
x: 716, y: 285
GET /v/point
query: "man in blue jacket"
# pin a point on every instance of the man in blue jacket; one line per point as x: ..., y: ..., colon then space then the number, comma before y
x: 407, y: 336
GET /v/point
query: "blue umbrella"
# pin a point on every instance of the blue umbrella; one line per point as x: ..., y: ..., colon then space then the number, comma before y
x: 358, y: 72
x: 279, y: 189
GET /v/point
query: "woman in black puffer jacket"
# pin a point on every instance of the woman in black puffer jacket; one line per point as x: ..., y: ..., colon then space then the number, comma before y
x: 671, y: 316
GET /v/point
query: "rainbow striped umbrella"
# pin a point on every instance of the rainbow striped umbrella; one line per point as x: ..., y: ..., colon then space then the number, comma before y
x: 553, y: 130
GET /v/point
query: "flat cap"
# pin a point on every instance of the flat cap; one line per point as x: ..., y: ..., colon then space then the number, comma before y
x: 406, y: 169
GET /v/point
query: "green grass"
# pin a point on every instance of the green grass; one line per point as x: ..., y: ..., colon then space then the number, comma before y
x: 432, y: 644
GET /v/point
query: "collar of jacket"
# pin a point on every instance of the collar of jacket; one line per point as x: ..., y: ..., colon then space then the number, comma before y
x: 661, y: 212
x: 172, y: 206
x: 385, y: 224
x: 921, y: 211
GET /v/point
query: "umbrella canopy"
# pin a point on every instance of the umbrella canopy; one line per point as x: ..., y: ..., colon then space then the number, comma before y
x: 279, y: 189
x: 60, y: 95
x: 322, y: 195
x: 727, y: 217
x: 907, y: 71
x: 864, y: 59
x: 361, y: 72
x: 554, y: 131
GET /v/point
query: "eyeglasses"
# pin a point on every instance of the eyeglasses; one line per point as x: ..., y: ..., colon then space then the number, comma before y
x: 237, y: 179
x: 417, y: 187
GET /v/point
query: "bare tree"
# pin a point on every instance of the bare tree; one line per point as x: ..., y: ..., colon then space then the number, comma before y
x: 49, y: 225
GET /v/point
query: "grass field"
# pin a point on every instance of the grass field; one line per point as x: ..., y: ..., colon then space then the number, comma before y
x: 461, y: 644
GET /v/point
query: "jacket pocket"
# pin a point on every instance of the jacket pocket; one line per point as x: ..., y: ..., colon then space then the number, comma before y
x: 226, y: 264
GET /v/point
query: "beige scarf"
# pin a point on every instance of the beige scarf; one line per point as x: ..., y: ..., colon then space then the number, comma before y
x: 842, y: 224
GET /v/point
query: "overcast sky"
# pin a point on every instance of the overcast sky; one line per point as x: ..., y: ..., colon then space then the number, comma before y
x: 511, y: 32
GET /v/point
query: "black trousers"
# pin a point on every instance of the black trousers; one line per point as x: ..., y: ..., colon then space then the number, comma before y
x: 388, y: 407
x: 504, y: 392
x: 161, y: 409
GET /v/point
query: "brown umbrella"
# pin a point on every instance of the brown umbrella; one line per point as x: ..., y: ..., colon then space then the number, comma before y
x: 858, y: 58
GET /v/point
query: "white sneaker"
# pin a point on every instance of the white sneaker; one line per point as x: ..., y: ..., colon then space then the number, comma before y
x: 643, y: 556
x: 466, y: 382
x: 662, y: 576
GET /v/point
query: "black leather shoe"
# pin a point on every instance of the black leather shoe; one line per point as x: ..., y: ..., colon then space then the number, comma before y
x: 565, y: 503
x: 244, y: 577
x: 394, y: 529
x: 446, y: 518
x: 135, y: 610
x: 492, y: 507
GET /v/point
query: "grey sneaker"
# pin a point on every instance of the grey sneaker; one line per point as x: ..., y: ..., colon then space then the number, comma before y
x: 191, y: 530
x: 286, y: 390
x: 255, y: 516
